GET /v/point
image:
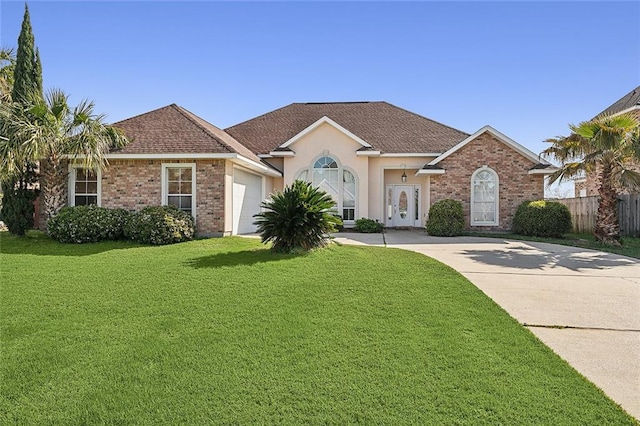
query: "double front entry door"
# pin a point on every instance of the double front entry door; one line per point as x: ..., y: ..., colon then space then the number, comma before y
x: 403, y: 205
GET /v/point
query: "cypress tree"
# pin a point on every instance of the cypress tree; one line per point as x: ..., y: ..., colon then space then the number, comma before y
x: 18, y: 191
x: 28, y: 71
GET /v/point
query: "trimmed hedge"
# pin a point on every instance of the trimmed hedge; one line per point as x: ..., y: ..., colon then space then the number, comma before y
x: 446, y: 219
x: 159, y: 225
x: 368, y: 226
x: 87, y: 224
x: 542, y: 219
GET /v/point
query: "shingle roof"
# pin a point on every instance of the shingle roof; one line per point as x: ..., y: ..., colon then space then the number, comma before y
x: 174, y: 130
x: 386, y: 127
x: 629, y: 100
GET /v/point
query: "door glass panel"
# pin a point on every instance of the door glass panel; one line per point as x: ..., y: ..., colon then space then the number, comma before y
x: 403, y: 204
x: 415, y: 208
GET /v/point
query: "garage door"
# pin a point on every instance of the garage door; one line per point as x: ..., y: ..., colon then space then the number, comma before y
x: 247, y: 196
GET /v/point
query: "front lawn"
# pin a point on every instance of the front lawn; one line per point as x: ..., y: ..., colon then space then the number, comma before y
x: 222, y: 331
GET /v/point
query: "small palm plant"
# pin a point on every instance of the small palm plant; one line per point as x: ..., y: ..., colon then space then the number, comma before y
x: 297, y: 219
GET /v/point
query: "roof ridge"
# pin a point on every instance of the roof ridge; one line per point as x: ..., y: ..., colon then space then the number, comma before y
x: 144, y: 113
x: 187, y: 114
x: 426, y: 118
x: 338, y: 102
x: 261, y: 115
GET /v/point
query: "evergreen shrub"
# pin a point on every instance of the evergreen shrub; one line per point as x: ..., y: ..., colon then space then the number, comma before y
x: 446, y: 218
x: 87, y: 224
x: 368, y: 226
x: 159, y: 225
x: 542, y: 219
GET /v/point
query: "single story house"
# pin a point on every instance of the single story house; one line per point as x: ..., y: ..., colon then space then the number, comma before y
x: 376, y: 160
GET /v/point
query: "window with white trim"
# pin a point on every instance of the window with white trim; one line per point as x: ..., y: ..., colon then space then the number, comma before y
x: 341, y: 184
x: 179, y: 187
x: 484, y: 197
x: 84, y: 186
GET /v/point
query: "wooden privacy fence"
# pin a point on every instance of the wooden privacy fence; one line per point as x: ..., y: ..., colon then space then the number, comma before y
x: 584, y: 209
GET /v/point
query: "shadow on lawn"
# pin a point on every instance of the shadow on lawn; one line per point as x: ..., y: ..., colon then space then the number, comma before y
x: 236, y: 258
x: 39, y: 244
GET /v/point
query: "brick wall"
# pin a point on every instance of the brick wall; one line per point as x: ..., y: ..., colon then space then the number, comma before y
x: 134, y: 184
x: 515, y: 185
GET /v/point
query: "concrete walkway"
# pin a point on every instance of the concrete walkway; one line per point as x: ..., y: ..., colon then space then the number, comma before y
x: 595, y: 295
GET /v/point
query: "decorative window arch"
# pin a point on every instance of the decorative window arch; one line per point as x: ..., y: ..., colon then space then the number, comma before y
x: 339, y: 182
x: 485, y: 189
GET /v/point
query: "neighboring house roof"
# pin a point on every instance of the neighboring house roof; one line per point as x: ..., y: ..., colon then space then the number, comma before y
x: 628, y: 102
x: 174, y: 130
x: 385, y: 127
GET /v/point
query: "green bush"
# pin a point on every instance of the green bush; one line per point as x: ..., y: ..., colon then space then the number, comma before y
x: 87, y: 224
x: 17, y: 207
x: 368, y: 226
x: 297, y: 219
x: 542, y: 219
x: 446, y: 218
x: 159, y: 225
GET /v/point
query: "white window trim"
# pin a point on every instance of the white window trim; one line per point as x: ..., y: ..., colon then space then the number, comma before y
x: 341, y: 170
x: 341, y: 184
x: 495, y: 222
x: 72, y: 184
x: 164, y: 178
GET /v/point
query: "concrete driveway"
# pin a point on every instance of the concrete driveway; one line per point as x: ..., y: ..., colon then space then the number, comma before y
x: 583, y: 304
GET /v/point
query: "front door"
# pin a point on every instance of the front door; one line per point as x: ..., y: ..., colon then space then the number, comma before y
x: 403, y: 205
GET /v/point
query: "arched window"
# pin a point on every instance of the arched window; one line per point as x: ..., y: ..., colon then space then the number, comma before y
x: 325, y: 176
x: 484, y: 197
x: 341, y: 184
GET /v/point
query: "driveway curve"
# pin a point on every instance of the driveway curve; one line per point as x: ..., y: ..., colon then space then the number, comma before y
x: 583, y: 304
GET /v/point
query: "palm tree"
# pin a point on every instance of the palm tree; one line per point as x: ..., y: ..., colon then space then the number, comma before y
x: 7, y: 65
x: 297, y: 219
x: 50, y: 132
x: 609, y: 146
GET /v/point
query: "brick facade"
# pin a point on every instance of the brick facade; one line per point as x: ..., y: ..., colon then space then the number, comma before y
x: 515, y: 185
x: 134, y: 184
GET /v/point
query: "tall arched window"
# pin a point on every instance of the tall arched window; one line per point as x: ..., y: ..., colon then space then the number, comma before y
x: 484, y: 197
x: 341, y: 184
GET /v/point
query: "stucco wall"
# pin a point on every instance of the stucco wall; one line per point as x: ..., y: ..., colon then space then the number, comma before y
x: 385, y: 171
x: 515, y: 185
x: 134, y: 184
x: 327, y: 138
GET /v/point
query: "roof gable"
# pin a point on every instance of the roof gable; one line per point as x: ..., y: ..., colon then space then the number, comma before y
x: 320, y: 122
x: 501, y: 137
x: 384, y: 127
x: 174, y: 130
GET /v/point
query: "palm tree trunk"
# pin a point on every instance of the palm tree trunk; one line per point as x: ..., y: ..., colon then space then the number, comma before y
x: 54, y: 179
x: 607, y: 229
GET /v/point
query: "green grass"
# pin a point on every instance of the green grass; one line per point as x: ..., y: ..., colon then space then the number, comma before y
x: 630, y: 246
x: 222, y: 331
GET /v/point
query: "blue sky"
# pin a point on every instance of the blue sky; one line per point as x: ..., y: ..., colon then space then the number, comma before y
x: 526, y: 68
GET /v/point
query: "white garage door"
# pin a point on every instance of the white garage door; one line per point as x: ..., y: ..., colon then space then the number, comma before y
x: 247, y: 196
